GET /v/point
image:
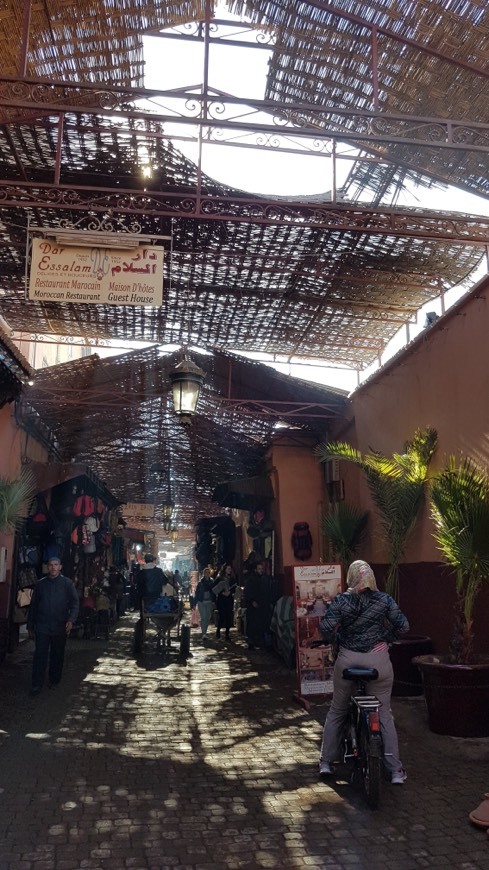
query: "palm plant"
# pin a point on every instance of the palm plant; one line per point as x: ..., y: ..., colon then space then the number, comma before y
x: 15, y: 498
x: 344, y: 527
x: 460, y: 510
x: 397, y: 485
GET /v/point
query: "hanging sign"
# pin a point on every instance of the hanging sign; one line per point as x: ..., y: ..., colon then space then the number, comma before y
x: 314, y: 587
x: 139, y: 509
x: 96, y: 276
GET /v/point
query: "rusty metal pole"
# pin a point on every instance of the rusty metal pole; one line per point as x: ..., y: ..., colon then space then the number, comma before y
x: 205, y: 95
x: 24, y: 46
x: 375, y: 68
x: 59, y: 145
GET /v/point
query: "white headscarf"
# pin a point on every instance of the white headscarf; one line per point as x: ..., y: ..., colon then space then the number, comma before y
x: 360, y: 577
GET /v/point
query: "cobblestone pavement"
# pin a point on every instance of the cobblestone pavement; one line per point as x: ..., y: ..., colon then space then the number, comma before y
x: 210, y: 764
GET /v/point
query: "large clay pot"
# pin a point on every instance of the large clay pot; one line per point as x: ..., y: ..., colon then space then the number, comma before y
x: 457, y: 696
x: 407, y: 677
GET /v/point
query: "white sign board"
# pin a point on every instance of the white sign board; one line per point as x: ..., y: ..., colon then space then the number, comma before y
x: 139, y: 509
x: 315, y: 586
x: 317, y: 572
x: 96, y: 276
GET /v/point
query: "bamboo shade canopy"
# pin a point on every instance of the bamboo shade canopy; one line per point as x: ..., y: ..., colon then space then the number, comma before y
x: 433, y: 61
x: 292, y: 287
x: 116, y: 416
x: 232, y: 285
x: 90, y: 40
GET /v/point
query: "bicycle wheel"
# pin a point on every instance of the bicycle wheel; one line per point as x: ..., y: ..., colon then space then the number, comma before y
x: 185, y: 641
x: 138, y: 637
x: 371, y: 765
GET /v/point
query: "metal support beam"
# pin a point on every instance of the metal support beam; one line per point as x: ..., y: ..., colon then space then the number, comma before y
x: 469, y: 230
x: 213, y: 110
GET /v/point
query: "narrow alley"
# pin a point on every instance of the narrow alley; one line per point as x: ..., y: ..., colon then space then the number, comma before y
x: 211, y: 764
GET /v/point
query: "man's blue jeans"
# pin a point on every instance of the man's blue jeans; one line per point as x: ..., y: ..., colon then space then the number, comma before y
x: 49, y: 647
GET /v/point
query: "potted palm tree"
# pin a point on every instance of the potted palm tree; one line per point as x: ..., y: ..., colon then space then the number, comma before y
x: 344, y: 527
x: 456, y: 685
x: 397, y: 486
x: 15, y: 498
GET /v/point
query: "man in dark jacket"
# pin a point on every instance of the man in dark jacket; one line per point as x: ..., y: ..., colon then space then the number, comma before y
x: 258, y: 606
x: 151, y: 580
x: 52, y: 613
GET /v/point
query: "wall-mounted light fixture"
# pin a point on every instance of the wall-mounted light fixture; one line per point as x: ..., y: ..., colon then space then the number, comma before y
x: 186, y: 380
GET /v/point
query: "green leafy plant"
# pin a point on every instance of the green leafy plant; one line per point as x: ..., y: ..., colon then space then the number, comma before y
x: 15, y: 499
x: 397, y: 485
x: 460, y: 510
x: 344, y: 527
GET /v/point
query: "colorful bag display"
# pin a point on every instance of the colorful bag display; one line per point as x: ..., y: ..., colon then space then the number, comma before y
x: 84, y: 506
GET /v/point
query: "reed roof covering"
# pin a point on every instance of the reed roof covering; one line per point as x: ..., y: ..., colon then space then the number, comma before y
x: 290, y: 287
x: 433, y: 62
x: 116, y: 416
x: 285, y: 289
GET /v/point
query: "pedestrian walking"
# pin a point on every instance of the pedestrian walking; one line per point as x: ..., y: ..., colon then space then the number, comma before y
x: 224, y: 589
x: 204, y: 599
x: 52, y: 614
x: 258, y: 606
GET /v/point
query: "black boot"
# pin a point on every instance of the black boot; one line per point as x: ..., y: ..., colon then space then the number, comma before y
x: 218, y: 633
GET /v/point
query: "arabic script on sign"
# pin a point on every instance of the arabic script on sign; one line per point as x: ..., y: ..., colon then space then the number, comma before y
x: 96, y: 275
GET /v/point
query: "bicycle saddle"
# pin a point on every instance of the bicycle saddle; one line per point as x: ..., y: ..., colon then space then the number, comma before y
x: 359, y: 673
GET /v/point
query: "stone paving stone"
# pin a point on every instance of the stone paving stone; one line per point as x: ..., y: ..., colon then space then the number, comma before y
x: 154, y: 763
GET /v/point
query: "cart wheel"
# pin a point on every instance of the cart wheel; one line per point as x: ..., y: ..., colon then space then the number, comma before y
x: 138, y: 639
x: 185, y: 640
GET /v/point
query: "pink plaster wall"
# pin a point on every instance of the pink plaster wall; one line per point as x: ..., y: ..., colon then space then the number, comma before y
x: 10, y: 442
x: 298, y: 481
x: 442, y: 380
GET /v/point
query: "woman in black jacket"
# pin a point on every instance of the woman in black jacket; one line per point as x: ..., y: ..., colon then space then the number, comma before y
x: 224, y: 589
x: 204, y: 599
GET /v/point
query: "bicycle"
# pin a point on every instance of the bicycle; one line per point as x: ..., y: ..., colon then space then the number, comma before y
x: 362, y: 738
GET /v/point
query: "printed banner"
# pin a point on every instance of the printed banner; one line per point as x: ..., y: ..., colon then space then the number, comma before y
x: 96, y: 276
x: 139, y: 509
x: 314, y: 587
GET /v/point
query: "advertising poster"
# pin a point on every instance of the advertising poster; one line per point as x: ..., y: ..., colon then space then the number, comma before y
x: 101, y: 276
x: 314, y: 587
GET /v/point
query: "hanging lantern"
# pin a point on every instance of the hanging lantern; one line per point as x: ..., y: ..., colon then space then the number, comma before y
x: 186, y: 380
x: 168, y: 509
